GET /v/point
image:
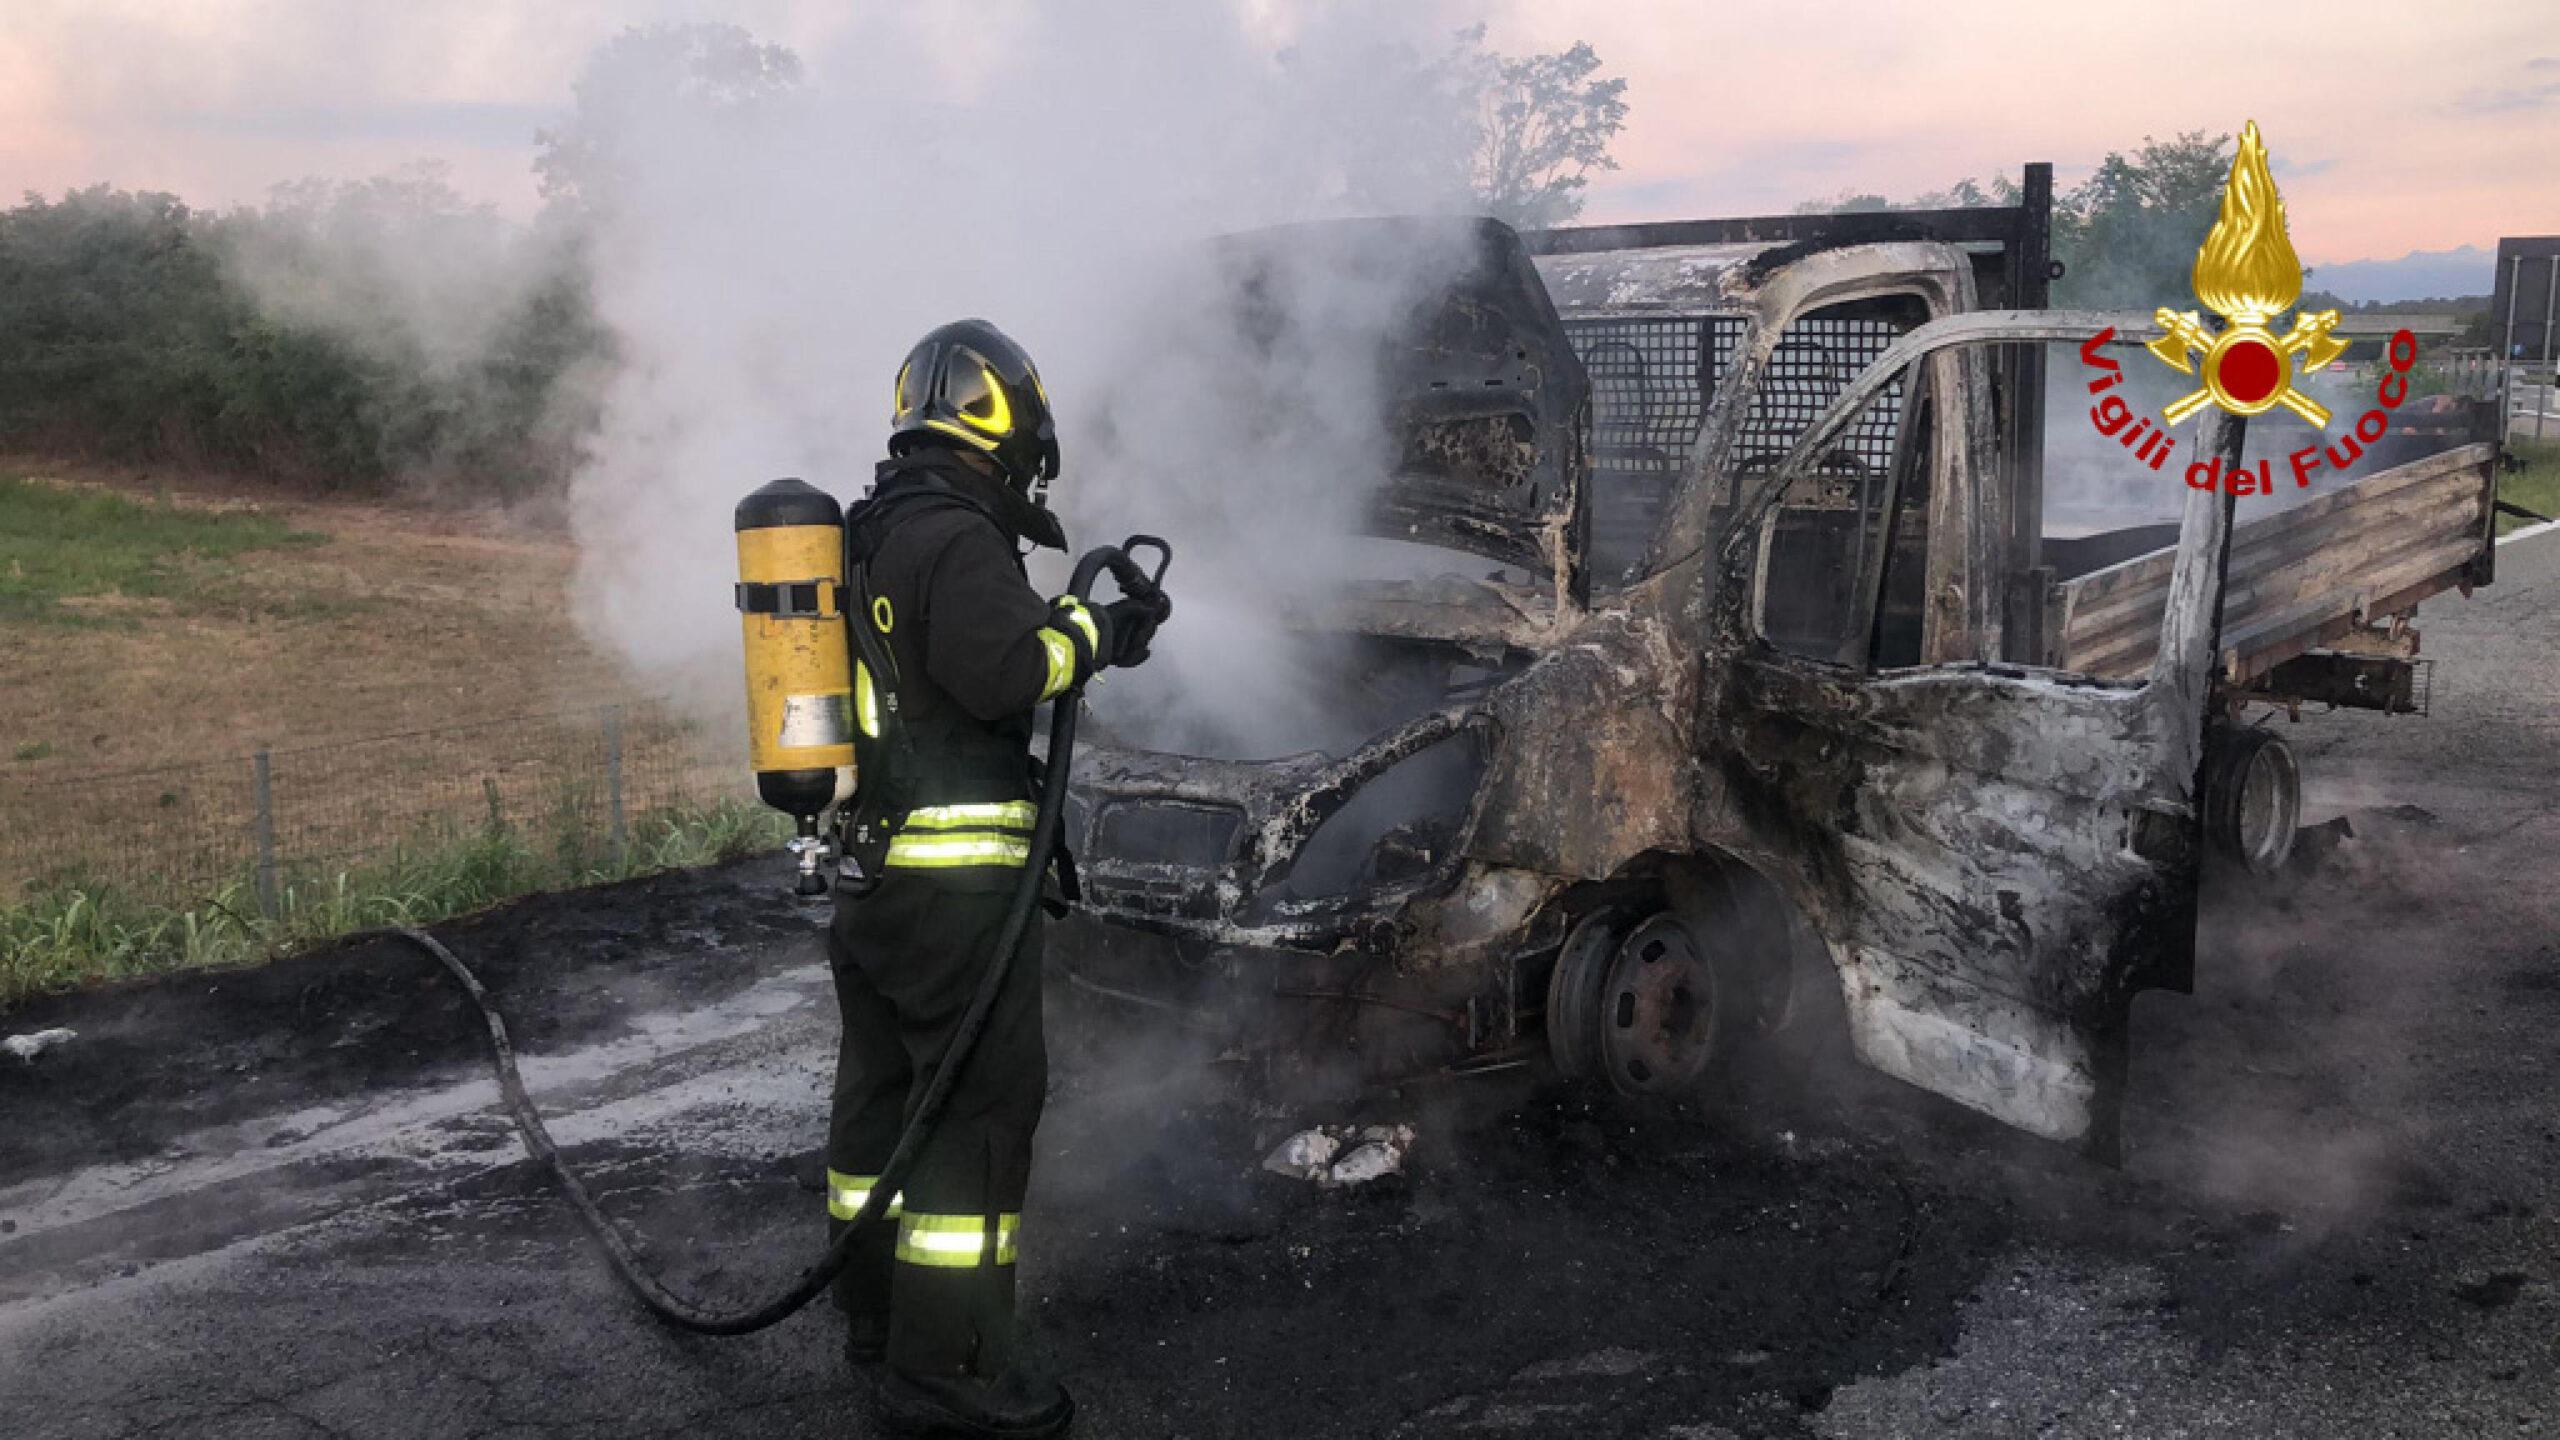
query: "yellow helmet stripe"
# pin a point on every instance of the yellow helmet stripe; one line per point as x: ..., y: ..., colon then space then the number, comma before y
x: 983, y: 442
x: 1001, y: 421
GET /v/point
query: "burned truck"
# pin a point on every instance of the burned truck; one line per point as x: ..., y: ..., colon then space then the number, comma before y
x: 1777, y: 701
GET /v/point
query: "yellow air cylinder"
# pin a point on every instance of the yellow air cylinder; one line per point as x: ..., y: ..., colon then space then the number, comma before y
x: 799, y: 669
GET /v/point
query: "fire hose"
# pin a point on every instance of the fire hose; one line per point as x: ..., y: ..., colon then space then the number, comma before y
x: 686, y: 1314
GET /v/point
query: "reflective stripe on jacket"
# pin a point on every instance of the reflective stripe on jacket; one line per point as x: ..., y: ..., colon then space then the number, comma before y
x: 949, y: 837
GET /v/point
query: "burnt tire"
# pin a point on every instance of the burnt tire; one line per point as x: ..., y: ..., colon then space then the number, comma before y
x: 2252, y: 799
x: 1761, y: 953
x: 1575, y: 989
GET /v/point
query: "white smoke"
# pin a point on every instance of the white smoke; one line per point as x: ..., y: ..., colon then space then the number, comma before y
x: 769, y: 237
x: 399, y: 266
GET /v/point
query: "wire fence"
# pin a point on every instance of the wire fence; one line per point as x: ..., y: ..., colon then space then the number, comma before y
x: 575, y: 782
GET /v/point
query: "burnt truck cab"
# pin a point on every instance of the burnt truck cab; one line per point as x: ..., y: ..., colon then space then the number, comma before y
x: 1757, y: 713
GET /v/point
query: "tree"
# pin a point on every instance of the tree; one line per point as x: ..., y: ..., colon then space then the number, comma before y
x: 2127, y: 235
x: 105, y: 296
x: 1967, y: 193
x: 1543, y: 124
x: 289, y: 340
x: 1855, y: 202
x: 662, y: 71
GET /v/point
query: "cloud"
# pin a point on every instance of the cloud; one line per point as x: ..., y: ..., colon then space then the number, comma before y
x: 1913, y: 98
x: 220, y: 99
x: 2507, y: 101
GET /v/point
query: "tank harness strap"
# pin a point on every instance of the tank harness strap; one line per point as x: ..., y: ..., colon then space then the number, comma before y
x: 791, y: 599
x: 876, y: 835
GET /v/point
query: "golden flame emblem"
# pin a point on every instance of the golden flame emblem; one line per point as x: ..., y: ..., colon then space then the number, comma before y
x: 2248, y: 274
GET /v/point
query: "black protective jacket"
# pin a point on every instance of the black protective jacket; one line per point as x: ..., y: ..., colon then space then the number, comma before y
x: 976, y: 648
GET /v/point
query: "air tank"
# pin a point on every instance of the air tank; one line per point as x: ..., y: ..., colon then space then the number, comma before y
x: 799, y: 667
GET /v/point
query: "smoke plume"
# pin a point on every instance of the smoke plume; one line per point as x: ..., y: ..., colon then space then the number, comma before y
x: 769, y: 232
x: 400, y: 266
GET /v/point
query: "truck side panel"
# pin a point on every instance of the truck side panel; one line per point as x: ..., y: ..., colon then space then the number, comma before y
x: 2300, y: 577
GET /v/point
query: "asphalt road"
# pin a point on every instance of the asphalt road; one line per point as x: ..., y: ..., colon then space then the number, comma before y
x: 2533, y: 412
x: 281, y: 1203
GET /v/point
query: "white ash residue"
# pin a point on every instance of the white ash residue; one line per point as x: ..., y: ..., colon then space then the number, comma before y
x: 1366, y: 1154
x: 28, y: 1047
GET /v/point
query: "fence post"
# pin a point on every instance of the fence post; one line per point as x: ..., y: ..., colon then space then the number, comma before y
x: 262, y: 785
x: 613, y: 780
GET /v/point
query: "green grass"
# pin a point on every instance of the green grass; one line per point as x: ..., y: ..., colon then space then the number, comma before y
x: 2536, y: 487
x: 58, y: 544
x: 78, y: 935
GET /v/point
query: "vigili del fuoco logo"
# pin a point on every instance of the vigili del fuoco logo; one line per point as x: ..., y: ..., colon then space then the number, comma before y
x: 2246, y: 273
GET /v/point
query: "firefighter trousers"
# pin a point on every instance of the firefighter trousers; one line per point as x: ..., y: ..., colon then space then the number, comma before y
x: 907, y: 958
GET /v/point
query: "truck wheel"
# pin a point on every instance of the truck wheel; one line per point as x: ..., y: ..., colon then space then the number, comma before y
x: 1574, y: 992
x: 2252, y: 798
x: 1662, y: 1010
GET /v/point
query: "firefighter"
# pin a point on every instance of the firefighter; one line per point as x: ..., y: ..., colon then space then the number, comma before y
x: 942, y: 535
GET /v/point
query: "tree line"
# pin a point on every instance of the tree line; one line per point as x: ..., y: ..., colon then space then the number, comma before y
x: 136, y: 327
x: 2127, y: 235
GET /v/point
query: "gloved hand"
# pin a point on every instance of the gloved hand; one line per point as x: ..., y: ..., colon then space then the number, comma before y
x: 1133, y: 621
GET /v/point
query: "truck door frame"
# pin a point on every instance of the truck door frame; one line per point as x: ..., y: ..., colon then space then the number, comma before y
x: 1997, y: 856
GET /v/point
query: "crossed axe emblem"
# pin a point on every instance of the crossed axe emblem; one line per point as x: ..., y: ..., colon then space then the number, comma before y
x: 2247, y: 367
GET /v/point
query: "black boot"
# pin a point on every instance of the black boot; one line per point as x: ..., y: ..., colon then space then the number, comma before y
x: 1013, y: 1406
x: 866, y: 1338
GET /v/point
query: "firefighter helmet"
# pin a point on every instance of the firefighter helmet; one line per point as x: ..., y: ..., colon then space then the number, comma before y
x: 968, y: 382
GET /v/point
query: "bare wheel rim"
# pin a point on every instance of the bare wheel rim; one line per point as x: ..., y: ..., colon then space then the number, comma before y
x: 2270, y: 807
x: 1660, y: 1009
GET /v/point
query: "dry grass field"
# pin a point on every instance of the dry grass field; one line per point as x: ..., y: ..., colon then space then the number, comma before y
x: 242, y: 619
x: 438, y: 728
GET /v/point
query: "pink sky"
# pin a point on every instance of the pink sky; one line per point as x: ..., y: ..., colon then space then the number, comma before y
x: 2394, y: 127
